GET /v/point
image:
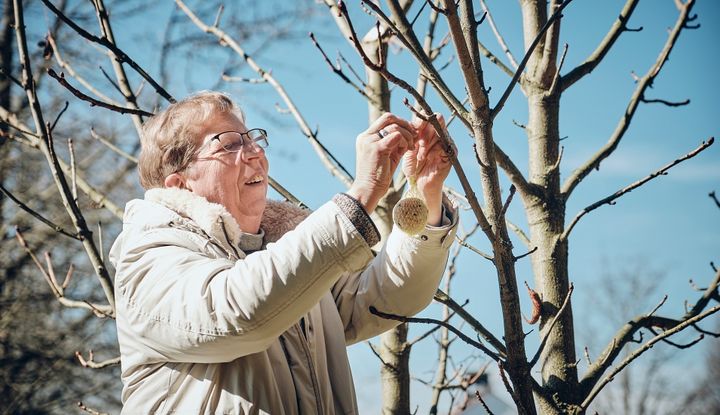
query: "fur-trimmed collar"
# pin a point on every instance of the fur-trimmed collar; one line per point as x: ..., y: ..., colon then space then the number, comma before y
x: 216, y: 221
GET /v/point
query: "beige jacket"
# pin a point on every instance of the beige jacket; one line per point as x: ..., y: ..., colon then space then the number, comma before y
x: 206, y: 328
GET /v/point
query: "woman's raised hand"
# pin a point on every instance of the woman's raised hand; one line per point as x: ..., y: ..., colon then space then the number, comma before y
x: 379, y: 150
x: 429, y: 165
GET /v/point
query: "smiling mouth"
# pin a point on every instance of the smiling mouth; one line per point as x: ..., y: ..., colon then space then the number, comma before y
x: 255, y: 180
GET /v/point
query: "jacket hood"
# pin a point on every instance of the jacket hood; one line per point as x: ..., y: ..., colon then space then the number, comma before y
x: 214, y: 219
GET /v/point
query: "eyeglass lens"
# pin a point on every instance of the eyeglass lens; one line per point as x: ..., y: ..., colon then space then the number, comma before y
x: 234, y: 141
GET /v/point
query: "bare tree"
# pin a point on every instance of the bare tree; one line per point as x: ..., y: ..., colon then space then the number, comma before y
x: 37, y: 123
x: 543, y: 194
x: 57, y: 337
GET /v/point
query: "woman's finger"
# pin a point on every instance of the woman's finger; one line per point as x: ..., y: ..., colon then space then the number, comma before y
x: 410, y: 135
x: 386, y: 120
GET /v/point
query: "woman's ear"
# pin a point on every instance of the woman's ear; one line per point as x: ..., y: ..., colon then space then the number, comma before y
x: 176, y: 180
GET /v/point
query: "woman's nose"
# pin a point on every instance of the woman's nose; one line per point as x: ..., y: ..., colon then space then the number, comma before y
x: 252, y: 150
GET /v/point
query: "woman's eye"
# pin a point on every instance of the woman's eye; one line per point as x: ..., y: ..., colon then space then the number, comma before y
x: 234, y: 146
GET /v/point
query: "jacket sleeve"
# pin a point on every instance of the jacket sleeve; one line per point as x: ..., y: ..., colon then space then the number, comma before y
x: 177, y: 304
x: 400, y: 280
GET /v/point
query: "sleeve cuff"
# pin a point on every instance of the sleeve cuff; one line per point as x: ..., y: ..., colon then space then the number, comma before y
x: 359, y: 218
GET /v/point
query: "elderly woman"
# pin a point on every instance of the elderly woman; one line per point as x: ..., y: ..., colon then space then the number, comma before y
x: 231, y: 303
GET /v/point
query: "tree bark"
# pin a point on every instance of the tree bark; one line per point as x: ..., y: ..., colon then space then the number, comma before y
x: 6, y: 60
x: 395, y: 355
x: 546, y: 211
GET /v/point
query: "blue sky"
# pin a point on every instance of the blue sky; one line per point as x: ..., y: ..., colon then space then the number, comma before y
x: 669, y: 224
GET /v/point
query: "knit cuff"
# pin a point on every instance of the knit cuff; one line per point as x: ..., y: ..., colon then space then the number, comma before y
x: 359, y: 218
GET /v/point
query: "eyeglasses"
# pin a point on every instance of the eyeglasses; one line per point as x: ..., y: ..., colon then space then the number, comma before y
x: 234, y: 141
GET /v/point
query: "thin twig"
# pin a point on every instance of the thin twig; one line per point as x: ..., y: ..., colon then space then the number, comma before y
x: 448, y: 326
x: 90, y: 410
x: 445, y: 299
x: 109, y: 79
x: 643, y: 83
x: 645, y: 347
x: 73, y: 169
x: 54, y: 124
x: 555, y: 82
x: 58, y: 291
x: 662, y: 101
x: 103, y: 41
x: 602, y: 49
x: 92, y: 364
x: 69, y: 69
x: 482, y: 402
x: 715, y: 199
x: 112, y: 146
x: 10, y: 76
x: 510, y: 389
x: 338, y: 69
x: 95, y: 102
x: 506, y: 205
x: 631, y: 187
x: 331, y: 163
x: 47, y: 146
x: 216, y: 23
x: 530, y: 252
x: 462, y: 242
x: 498, y: 36
x: 36, y: 215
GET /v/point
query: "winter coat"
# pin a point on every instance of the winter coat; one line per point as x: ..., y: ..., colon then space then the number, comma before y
x: 206, y: 328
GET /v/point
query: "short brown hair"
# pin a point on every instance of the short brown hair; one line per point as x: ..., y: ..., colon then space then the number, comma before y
x: 169, y: 140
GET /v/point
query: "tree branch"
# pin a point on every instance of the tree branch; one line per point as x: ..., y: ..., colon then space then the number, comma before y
x: 58, y: 290
x: 34, y: 140
x: 69, y: 69
x: 610, y: 199
x: 123, y: 83
x: 605, y: 45
x: 645, y: 347
x: 518, y: 73
x: 462, y: 242
x: 119, y: 54
x: 92, y: 364
x: 36, y: 215
x: 714, y: 198
x: 430, y: 116
x: 113, y: 147
x: 46, y: 144
x: 95, y: 102
x: 664, y: 102
x: 626, y: 333
x: 450, y: 327
x: 338, y: 69
x: 404, y: 32
x: 498, y: 36
x: 331, y: 163
x: 445, y: 299
x: 494, y: 59
x: 594, y: 162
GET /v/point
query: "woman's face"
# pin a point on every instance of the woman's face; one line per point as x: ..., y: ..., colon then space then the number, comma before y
x: 236, y: 180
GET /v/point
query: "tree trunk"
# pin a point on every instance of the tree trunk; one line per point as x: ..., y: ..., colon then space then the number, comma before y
x: 6, y: 59
x: 395, y: 355
x: 546, y: 211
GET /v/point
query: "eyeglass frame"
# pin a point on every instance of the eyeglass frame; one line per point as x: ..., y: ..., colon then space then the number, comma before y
x: 243, y: 136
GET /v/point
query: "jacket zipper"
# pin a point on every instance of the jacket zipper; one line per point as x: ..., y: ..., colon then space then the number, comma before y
x: 311, y: 367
